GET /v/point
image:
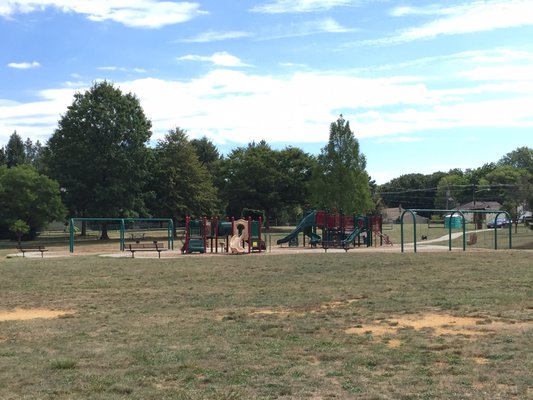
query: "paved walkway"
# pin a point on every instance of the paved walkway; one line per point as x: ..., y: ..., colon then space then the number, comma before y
x: 445, y: 238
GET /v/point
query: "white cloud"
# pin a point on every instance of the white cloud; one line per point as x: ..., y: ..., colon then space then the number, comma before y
x: 215, y: 36
x: 306, y: 28
x: 502, y: 73
x: 132, y: 13
x: 239, y: 106
x: 299, y: 6
x: 505, y: 113
x: 432, y: 9
x: 477, y: 16
x: 223, y: 59
x: 24, y: 65
x: 122, y: 69
x: 400, y: 139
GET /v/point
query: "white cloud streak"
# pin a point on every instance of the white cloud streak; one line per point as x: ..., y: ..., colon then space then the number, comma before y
x: 122, y: 69
x: 216, y: 36
x: 306, y: 28
x: 132, y: 13
x: 222, y: 58
x: 24, y: 65
x: 477, y: 16
x: 299, y: 6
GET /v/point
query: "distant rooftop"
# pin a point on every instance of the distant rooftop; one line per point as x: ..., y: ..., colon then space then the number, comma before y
x: 480, y: 205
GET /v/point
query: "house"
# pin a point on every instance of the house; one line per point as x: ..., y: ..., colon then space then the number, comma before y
x: 480, y: 206
x: 392, y: 216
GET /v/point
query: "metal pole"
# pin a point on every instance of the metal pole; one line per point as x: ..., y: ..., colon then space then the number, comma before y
x: 216, y: 234
x: 259, y: 231
x: 249, y: 235
x: 401, y: 230
x: 122, y: 234
x: 170, y: 234
x: 71, y: 235
x: 205, y: 234
x: 187, y: 221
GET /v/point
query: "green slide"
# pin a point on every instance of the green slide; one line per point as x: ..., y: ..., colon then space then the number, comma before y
x: 304, y: 226
x: 351, y: 237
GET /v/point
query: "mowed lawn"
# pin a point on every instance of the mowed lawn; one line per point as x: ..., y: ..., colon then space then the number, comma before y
x: 307, y: 326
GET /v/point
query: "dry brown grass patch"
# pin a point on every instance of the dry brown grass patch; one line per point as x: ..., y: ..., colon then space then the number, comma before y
x: 21, y: 314
x: 440, y: 324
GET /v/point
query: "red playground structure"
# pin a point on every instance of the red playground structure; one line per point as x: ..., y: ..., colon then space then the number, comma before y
x: 337, y: 230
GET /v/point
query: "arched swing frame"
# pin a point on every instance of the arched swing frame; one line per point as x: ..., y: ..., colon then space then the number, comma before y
x: 414, y: 211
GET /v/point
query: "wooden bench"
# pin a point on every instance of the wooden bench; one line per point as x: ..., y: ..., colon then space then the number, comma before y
x: 133, y: 247
x: 31, y: 249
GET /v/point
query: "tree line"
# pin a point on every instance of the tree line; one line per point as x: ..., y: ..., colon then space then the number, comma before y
x: 508, y: 181
x: 99, y: 163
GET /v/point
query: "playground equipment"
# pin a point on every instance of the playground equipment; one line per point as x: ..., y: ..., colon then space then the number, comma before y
x: 235, y: 236
x: 240, y: 235
x: 308, y: 226
x: 461, y: 214
x: 122, y: 223
x: 338, y: 230
x: 195, y: 236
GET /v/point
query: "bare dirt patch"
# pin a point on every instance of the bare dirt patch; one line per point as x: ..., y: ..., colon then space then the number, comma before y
x: 377, y: 330
x: 439, y: 324
x: 21, y: 314
x: 290, y: 312
x: 296, y: 312
x: 394, y: 344
x: 280, y: 313
x: 480, y: 360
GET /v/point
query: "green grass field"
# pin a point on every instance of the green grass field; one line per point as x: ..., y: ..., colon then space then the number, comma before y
x: 312, y: 326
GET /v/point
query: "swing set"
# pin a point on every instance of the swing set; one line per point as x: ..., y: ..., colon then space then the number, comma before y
x: 461, y: 213
x: 123, y: 225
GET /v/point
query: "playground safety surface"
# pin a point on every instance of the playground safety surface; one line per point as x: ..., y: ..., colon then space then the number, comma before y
x: 110, y: 251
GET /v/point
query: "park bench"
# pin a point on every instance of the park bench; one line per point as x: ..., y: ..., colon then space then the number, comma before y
x: 31, y: 249
x: 133, y: 247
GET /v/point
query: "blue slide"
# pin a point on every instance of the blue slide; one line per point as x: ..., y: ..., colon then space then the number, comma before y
x: 304, y: 226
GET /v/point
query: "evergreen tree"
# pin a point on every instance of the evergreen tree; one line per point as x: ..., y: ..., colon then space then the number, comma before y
x: 32, y: 152
x: 340, y: 179
x: 3, y: 159
x: 15, y: 152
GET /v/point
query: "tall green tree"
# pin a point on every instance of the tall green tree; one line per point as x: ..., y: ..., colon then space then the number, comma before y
x: 212, y: 160
x: 252, y: 179
x: 411, y: 190
x: 340, y: 179
x: 30, y: 197
x: 275, y: 182
x: 15, y: 151
x: 181, y: 184
x: 207, y: 152
x: 33, y: 152
x: 512, y: 186
x: 453, y: 190
x: 296, y: 167
x: 99, y: 156
x: 522, y: 157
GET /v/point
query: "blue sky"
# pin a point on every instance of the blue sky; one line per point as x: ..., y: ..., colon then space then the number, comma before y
x: 425, y: 85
